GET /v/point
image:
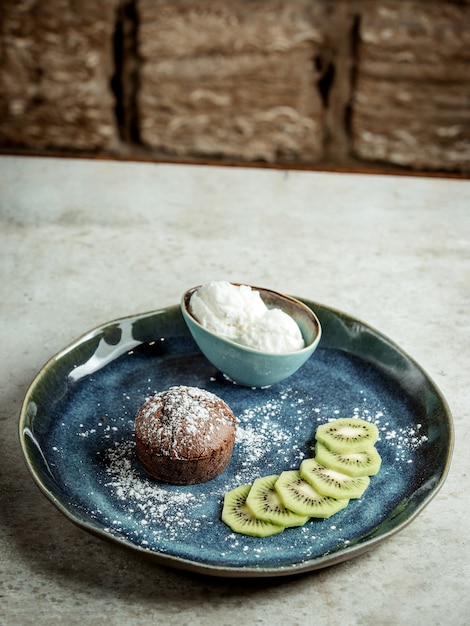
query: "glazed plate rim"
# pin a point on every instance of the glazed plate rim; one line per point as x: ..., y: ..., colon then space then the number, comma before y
x: 343, y: 322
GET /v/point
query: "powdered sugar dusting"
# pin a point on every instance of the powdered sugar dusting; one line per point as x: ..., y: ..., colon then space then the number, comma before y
x: 275, y: 431
x: 151, y: 503
x: 404, y: 440
x: 91, y: 454
x: 183, y: 422
x: 265, y: 443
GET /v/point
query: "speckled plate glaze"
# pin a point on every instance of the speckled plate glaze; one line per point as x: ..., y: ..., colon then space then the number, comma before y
x: 76, y: 432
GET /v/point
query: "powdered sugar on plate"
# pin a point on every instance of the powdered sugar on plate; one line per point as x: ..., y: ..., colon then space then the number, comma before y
x: 265, y: 443
x: 93, y: 454
x: 261, y: 445
x: 144, y: 499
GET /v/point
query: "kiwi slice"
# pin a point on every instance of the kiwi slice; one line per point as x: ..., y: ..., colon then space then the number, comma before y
x: 299, y: 496
x: 332, y: 483
x: 264, y: 503
x: 236, y: 514
x: 348, y: 434
x: 360, y: 463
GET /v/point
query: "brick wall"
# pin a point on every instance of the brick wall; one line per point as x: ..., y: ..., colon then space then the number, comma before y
x: 343, y: 83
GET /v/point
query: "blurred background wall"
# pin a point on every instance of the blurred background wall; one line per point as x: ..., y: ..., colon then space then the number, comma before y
x: 323, y: 83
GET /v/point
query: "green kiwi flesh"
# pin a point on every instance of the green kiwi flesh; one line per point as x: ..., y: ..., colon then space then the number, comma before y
x: 347, y: 434
x: 356, y: 463
x: 239, y: 518
x: 264, y: 503
x: 331, y: 482
x: 299, y: 496
x: 345, y: 457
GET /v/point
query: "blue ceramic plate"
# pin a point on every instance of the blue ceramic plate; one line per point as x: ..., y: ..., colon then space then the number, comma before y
x: 76, y: 430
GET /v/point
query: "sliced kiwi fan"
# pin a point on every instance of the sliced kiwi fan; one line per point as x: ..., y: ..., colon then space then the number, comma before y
x: 345, y: 458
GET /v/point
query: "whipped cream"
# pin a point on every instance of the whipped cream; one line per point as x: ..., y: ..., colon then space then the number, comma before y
x: 239, y: 313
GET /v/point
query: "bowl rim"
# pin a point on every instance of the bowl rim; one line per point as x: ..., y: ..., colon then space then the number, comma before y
x: 278, y: 294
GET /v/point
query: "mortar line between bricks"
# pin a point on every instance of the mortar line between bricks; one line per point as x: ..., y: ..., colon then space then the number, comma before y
x: 125, y: 81
x: 353, y: 78
x: 116, y: 80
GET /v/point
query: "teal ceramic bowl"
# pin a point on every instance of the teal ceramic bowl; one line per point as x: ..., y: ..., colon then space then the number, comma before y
x: 249, y: 367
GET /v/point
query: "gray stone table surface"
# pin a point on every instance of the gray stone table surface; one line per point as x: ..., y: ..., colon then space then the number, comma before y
x: 86, y: 241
